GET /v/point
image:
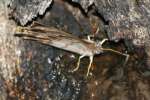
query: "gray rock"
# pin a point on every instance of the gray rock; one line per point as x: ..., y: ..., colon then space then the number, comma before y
x: 25, y: 10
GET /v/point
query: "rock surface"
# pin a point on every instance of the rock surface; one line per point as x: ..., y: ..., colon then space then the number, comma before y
x: 30, y: 70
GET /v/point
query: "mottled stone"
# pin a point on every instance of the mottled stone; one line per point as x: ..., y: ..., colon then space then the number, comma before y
x: 126, y: 19
x: 26, y: 10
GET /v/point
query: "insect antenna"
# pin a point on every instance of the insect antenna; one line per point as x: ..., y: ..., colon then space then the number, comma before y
x: 100, y: 43
x: 118, y: 52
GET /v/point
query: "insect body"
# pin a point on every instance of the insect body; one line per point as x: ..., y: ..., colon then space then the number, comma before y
x: 60, y: 39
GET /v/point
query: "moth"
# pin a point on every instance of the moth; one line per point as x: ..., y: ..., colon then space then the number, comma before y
x: 63, y: 40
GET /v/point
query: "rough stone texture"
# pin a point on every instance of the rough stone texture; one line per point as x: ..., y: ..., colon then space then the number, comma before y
x: 84, y: 3
x: 25, y: 10
x: 126, y: 19
x: 9, y: 51
x: 44, y: 71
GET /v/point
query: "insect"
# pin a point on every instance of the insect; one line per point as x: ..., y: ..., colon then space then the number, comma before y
x: 63, y: 40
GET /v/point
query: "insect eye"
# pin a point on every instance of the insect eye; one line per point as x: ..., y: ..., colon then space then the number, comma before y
x: 19, y: 29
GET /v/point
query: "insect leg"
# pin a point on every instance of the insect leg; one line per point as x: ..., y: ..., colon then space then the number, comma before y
x: 103, y: 41
x: 89, y: 37
x: 78, y: 63
x: 127, y: 58
x: 89, y: 67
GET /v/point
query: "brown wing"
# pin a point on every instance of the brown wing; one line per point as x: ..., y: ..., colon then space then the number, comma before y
x: 48, y: 31
x: 54, y: 37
